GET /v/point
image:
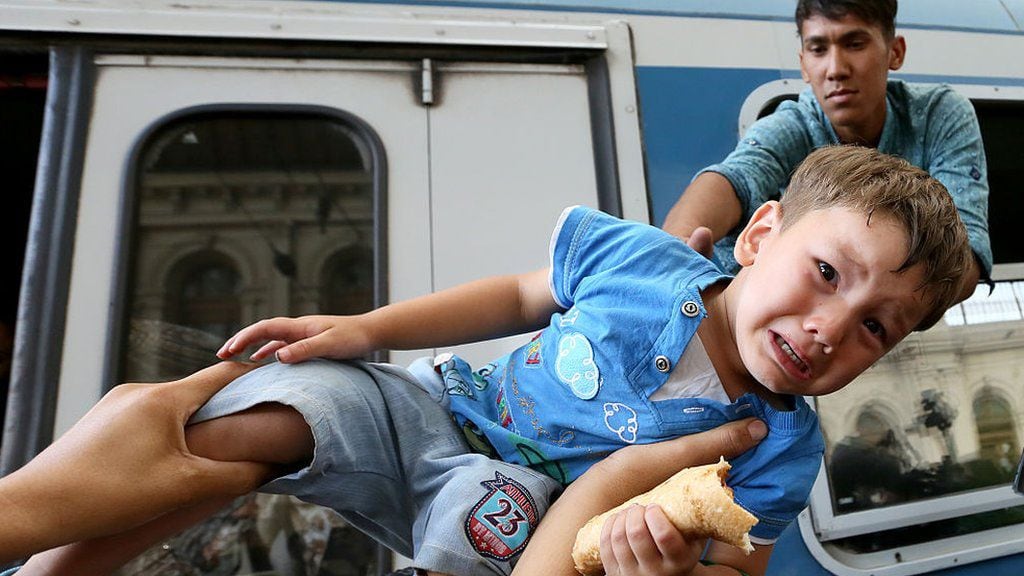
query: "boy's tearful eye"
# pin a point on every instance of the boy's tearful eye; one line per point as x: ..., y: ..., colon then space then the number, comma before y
x: 875, y: 327
x: 827, y: 272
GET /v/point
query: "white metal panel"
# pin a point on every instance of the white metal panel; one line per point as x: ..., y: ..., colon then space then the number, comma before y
x: 626, y: 120
x: 929, y: 52
x: 713, y: 42
x: 336, y: 21
x: 510, y: 148
x: 133, y: 93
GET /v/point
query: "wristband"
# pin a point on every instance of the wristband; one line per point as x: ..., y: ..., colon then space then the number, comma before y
x: 704, y: 562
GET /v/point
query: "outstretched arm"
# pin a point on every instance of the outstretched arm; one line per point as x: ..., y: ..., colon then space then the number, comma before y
x: 480, y: 310
x: 626, y: 473
x: 710, y: 201
x: 124, y: 463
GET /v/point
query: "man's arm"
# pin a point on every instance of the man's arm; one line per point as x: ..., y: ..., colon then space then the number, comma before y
x: 957, y: 159
x: 124, y: 463
x: 480, y: 310
x: 710, y: 201
x: 626, y: 473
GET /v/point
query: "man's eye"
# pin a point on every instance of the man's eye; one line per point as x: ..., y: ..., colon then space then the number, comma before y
x: 827, y: 271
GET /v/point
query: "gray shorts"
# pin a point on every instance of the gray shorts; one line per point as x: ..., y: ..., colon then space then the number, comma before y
x: 389, y: 458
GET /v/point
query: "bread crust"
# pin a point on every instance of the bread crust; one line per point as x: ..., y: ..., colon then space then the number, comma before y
x: 697, y: 502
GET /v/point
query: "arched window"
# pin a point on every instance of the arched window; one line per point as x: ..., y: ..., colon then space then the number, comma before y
x: 268, y: 187
x: 997, y: 438
x: 866, y: 467
x: 347, y: 286
x: 205, y: 296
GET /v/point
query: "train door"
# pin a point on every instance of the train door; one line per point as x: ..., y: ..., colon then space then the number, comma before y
x: 214, y: 191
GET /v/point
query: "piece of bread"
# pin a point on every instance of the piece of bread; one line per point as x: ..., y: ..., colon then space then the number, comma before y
x: 696, y: 501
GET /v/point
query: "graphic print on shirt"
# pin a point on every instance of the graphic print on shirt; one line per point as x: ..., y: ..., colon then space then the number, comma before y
x: 504, y: 414
x: 454, y: 383
x: 500, y: 524
x: 621, y: 420
x: 477, y: 440
x: 524, y: 408
x: 533, y: 357
x: 533, y: 458
x: 575, y: 365
x: 569, y: 318
x: 481, y: 378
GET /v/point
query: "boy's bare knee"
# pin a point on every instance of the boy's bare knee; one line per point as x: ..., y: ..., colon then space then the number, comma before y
x: 271, y: 433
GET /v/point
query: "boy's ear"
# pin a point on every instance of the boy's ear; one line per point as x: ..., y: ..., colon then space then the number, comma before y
x: 765, y: 220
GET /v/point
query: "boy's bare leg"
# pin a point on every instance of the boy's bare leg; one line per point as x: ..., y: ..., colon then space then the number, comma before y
x: 273, y: 434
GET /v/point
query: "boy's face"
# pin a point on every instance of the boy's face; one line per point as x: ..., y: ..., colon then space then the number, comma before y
x: 847, y: 63
x: 819, y: 303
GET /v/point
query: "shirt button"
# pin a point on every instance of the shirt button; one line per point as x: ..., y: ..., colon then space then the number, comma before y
x: 662, y: 364
x: 690, y: 309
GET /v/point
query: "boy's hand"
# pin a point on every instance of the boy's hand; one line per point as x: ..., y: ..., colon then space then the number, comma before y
x: 640, y: 540
x: 298, y: 339
x: 122, y: 464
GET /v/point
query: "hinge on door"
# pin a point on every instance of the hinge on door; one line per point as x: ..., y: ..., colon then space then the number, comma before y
x: 427, y: 82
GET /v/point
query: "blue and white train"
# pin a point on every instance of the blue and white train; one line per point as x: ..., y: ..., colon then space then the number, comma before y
x: 175, y: 169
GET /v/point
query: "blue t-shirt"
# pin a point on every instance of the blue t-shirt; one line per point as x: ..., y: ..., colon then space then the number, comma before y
x: 581, y: 388
x: 930, y: 126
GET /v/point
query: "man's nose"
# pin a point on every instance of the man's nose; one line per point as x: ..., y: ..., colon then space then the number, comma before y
x: 838, y: 65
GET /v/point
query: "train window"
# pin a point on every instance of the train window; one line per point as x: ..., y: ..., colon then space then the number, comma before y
x: 243, y: 215
x: 924, y: 446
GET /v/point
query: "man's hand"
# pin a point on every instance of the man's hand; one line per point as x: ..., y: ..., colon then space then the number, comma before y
x: 701, y: 241
x: 124, y: 463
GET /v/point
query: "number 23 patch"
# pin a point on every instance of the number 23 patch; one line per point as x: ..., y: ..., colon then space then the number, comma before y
x: 500, y: 524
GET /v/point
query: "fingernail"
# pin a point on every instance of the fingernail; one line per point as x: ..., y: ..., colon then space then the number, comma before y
x: 757, y: 430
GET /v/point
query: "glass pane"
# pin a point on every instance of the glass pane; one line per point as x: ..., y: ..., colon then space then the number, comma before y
x: 244, y: 216
x: 942, y: 413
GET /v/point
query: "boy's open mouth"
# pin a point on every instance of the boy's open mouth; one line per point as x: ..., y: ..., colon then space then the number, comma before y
x: 798, y: 363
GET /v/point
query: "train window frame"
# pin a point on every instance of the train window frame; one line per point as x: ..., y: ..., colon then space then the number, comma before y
x: 818, y: 523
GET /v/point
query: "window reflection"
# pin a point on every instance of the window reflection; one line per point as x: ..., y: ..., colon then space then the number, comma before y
x: 243, y: 216
x: 941, y: 414
x: 206, y: 297
x: 997, y: 436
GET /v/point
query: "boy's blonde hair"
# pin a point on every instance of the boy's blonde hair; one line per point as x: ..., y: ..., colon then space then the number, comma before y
x: 866, y: 180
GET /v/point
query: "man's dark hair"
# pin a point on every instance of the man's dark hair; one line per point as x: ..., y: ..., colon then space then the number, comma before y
x: 881, y: 13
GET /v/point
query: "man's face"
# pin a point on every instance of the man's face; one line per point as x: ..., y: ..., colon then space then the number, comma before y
x: 820, y: 302
x: 847, y: 63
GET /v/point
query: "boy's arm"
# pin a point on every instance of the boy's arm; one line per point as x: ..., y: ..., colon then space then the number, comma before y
x: 480, y: 310
x: 626, y: 473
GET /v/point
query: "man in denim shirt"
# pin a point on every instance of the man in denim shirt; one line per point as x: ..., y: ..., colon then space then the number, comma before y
x: 847, y: 49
